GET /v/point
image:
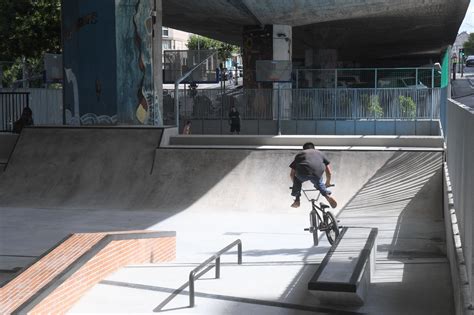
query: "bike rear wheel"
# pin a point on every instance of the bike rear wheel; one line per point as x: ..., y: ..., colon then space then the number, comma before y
x: 332, y: 230
x: 313, y: 220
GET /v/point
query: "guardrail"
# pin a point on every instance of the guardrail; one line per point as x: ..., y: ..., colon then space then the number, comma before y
x: 194, y: 275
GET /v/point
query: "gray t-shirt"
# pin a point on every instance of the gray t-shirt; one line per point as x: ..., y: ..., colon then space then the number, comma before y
x: 310, y: 162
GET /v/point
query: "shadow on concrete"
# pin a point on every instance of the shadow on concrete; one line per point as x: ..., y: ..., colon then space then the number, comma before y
x: 403, y: 200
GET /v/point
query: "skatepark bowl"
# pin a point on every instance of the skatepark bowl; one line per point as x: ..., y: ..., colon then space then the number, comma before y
x: 59, y: 181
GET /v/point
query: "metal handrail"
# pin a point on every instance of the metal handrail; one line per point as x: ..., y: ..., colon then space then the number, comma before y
x: 178, y: 82
x: 217, y: 258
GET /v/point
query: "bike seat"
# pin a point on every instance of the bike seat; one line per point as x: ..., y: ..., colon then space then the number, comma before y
x: 323, y: 205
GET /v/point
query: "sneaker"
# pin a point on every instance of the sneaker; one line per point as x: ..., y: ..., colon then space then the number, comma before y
x: 332, y: 201
x: 295, y: 204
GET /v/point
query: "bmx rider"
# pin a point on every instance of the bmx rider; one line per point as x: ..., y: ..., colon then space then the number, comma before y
x: 310, y: 164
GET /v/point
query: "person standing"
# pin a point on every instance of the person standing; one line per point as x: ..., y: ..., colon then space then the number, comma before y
x: 234, y: 120
x: 187, y: 128
x: 26, y: 119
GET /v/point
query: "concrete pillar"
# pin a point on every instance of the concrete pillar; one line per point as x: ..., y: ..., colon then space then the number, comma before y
x: 282, y: 50
x: 112, y: 61
x: 325, y: 59
x: 271, y: 42
x: 158, y: 63
x: 257, y: 44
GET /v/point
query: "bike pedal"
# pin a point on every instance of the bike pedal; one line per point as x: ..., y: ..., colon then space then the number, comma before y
x: 306, y: 229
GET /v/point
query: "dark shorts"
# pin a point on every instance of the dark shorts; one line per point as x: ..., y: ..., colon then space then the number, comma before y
x: 234, y: 128
x: 317, y: 182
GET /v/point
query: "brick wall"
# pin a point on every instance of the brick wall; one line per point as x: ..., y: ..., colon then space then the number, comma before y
x: 59, y: 279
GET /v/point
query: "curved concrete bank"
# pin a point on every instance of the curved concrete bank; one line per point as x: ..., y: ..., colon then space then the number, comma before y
x: 120, y: 168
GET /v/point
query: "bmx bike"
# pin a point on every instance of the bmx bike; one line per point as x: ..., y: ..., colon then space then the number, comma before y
x: 321, y: 219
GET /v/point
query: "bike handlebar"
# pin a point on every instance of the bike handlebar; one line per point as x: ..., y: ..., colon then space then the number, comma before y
x: 332, y: 185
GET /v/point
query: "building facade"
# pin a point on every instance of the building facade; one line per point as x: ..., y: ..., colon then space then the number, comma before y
x: 460, y: 40
x: 174, y: 39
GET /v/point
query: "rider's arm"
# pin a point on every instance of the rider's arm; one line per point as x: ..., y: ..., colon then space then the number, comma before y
x: 328, y: 175
x: 292, y: 174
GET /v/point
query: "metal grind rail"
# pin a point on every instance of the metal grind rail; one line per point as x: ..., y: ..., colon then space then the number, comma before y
x: 194, y: 275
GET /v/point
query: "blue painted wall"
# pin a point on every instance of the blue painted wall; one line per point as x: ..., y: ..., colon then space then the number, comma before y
x: 89, y: 61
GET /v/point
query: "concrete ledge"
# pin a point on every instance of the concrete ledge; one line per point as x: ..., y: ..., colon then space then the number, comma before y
x: 168, y: 132
x: 322, y: 148
x: 57, y: 280
x: 345, y: 274
x: 427, y: 127
x: 320, y: 141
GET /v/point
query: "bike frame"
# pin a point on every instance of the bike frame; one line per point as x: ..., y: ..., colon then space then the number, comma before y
x: 313, y: 202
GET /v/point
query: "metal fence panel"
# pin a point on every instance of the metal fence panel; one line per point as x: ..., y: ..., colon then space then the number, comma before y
x: 11, y: 106
x: 46, y: 104
x: 306, y: 104
x: 366, y: 78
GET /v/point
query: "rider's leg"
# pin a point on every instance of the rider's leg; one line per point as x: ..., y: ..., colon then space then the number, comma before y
x: 319, y: 185
x: 296, y: 192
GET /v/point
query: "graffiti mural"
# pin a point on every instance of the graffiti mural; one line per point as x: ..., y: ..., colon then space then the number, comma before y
x: 108, y: 62
x: 135, y: 87
x: 257, y: 45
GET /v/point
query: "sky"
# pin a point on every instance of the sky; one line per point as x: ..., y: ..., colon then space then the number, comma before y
x: 468, y: 23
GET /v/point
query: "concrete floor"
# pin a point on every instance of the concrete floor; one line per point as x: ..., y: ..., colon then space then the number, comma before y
x: 397, y: 192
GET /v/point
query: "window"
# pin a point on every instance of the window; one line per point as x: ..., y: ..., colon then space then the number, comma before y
x: 166, y: 44
x: 165, y: 31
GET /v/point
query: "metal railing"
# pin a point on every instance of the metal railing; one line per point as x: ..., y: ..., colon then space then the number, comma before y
x: 306, y: 104
x: 194, y: 275
x: 183, y: 77
x: 11, y: 106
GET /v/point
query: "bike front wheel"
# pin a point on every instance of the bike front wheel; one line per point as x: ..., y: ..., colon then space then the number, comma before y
x: 332, y: 230
x: 313, y: 219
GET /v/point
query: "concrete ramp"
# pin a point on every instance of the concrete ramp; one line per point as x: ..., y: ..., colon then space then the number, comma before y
x: 79, y: 167
x: 248, y: 180
x: 120, y: 168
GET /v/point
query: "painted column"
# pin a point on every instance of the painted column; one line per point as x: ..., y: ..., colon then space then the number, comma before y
x: 137, y: 99
x: 108, y: 62
x: 257, y: 45
x: 158, y: 63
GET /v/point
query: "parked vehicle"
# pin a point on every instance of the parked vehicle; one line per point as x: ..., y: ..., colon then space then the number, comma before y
x: 400, y: 82
x: 348, y: 81
x: 470, y: 61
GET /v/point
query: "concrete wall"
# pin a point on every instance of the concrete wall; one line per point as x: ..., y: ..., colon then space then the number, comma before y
x: 459, y: 205
x: 321, y: 127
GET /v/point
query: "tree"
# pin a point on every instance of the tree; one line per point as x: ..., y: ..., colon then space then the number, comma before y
x: 225, y: 50
x: 28, y: 29
x: 469, y: 45
x: 372, y: 105
x: 407, y: 107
